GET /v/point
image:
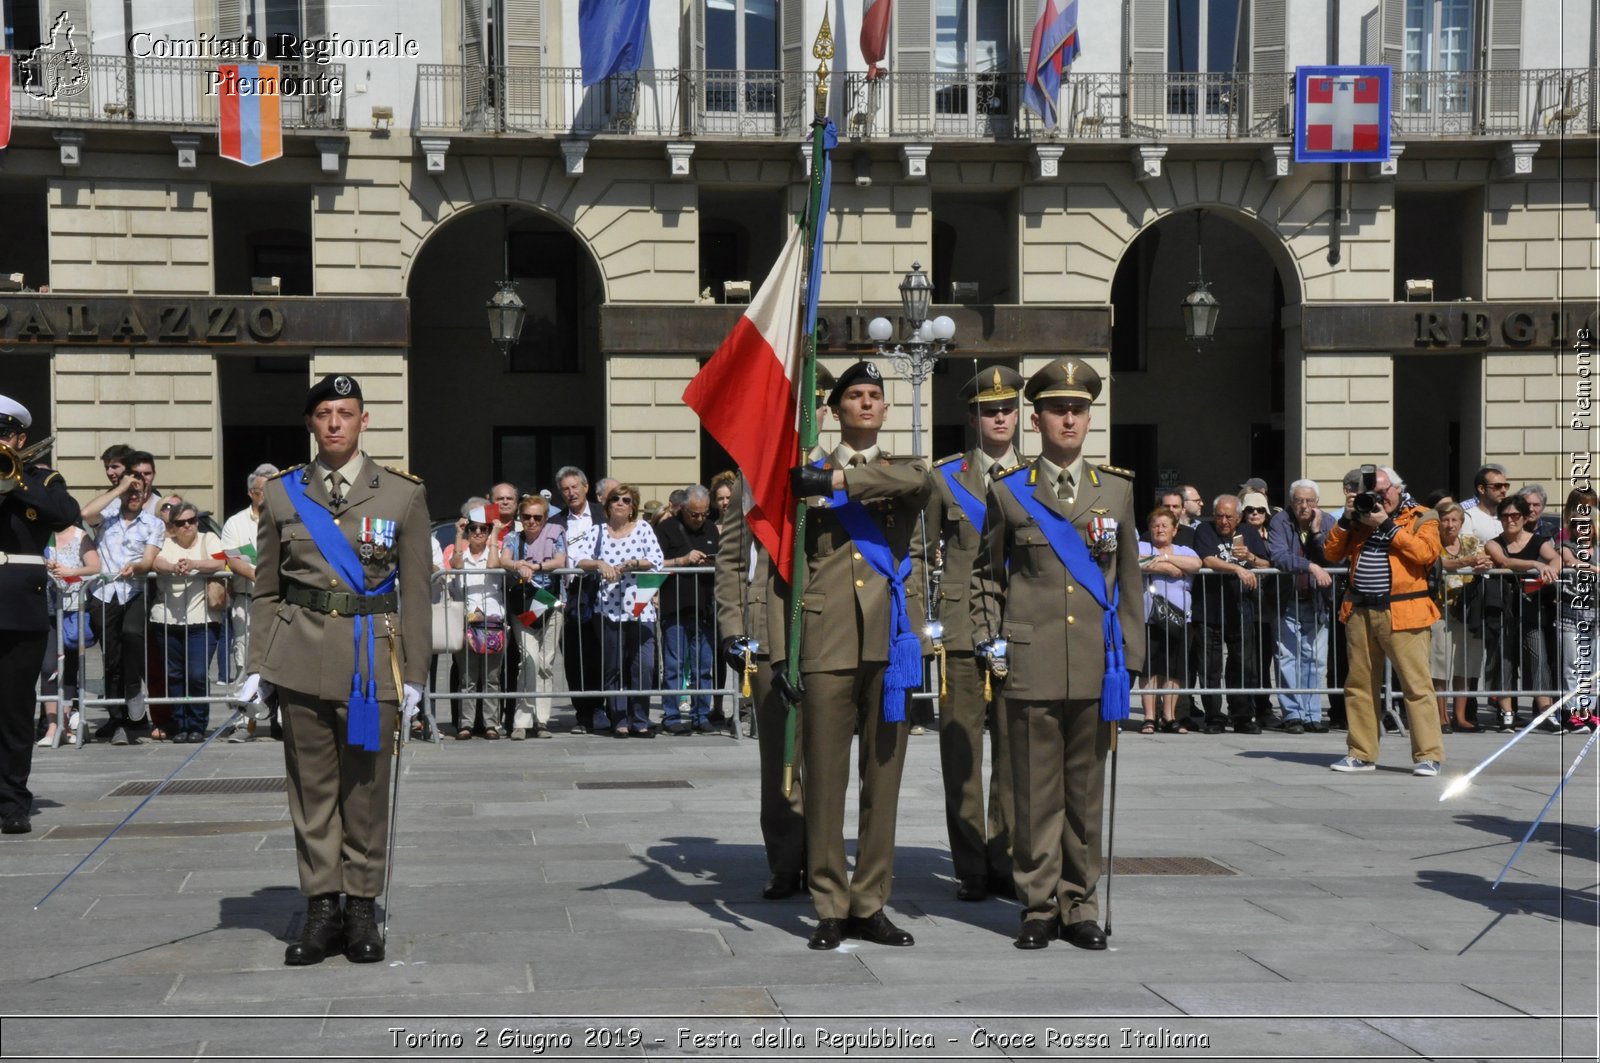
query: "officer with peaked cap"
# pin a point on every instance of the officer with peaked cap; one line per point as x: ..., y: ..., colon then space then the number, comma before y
x: 341, y: 627
x: 861, y: 655
x: 34, y: 504
x: 980, y: 842
x: 1060, y: 530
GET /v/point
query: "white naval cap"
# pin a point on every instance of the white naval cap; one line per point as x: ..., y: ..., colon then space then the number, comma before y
x: 14, y: 416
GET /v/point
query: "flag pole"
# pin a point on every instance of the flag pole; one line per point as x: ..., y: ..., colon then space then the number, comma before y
x: 821, y: 50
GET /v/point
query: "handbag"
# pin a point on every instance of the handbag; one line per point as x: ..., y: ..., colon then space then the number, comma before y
x: 487, y: 636
x: 75, y: 623
x: 1162, y: 611
x: 216, y: 594
x: 449, y: 624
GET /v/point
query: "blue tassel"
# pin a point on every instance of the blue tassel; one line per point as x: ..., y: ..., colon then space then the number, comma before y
x: 1116, y: 688
x: 903, y: 673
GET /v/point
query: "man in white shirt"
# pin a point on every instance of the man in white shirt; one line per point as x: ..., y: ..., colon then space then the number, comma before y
x: 128, y: 543
x: 1490, y: 485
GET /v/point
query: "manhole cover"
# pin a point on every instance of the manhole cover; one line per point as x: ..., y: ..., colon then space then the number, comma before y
x: 185, y: 787
x: 1169, y: 865
x: 84, y: 832
x: 638, y: 784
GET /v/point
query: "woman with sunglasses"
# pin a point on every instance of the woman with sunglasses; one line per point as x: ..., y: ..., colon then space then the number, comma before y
x: 183, y: 620
x: 1513, y: 627
x: 534, y: 552
x: 617, y: 551
x: 482, y: 653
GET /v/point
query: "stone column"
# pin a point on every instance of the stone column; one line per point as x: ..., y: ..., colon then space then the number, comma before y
x: 1347, y: 408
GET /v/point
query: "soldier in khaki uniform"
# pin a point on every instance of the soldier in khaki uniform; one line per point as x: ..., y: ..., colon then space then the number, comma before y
x: 339, y: 711
x: 750, y: 609
x: 1049, y: 523
x: 860, y: 655
x: 980, y: 848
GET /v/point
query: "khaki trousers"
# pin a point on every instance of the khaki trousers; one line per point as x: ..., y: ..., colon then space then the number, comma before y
x: 1058, y: 761
x: 835, y: 704
x: 338, y: 796
x: 979, y: 846
x: 1371, y: 639
x: 539, y: 646
x: 783, y: 820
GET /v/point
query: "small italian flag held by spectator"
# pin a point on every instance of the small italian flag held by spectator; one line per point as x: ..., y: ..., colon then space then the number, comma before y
x: 247, y: 551
x: 646, y: 586
x: 542, y: 602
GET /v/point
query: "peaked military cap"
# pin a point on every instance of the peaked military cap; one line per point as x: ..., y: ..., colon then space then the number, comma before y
x: 332, y: 386
x: 1064, y: 378
x: 14, y: 416
x: 860, y: 373
x: 994, y: 384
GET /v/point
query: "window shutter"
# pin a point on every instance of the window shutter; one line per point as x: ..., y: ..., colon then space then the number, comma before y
x: 911, y: 65
x: 1392, y: 34
x: 473, y: 27
x: 1370, y: 48
x: 1147, y: 60
x: 315, y: 14
x: 1504, y: 50
x: 230, y: 18
x: 1269, y: 38
x: 524, y: 41
x: 82, y: 104
x: 793, y: 56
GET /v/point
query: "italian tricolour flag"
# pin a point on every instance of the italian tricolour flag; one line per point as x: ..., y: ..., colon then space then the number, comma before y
x: 542, y: 602
x: 646, y: 586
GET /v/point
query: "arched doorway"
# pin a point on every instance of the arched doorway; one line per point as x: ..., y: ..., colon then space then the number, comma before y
x: 1213, y: 416
x: 477, y: 417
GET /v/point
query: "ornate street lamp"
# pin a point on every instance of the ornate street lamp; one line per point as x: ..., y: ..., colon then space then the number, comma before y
x: 1200, y: 307
x: 929, y: 341
x: 506, y: 312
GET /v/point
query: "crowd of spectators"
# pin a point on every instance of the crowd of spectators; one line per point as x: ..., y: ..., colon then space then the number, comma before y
x: 616, y: 593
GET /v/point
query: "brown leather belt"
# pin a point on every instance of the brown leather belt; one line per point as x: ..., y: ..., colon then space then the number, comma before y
x: 339, y: 603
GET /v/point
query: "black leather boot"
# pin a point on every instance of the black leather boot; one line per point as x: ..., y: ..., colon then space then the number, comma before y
x: 362, y: 942
x: 321, y: 936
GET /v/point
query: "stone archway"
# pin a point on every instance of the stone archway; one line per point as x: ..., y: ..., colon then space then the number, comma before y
x: 476, y: 416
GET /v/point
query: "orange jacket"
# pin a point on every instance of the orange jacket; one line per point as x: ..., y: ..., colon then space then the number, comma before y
x: 1412, y: 552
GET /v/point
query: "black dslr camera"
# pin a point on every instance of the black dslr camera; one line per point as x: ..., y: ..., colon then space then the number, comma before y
x: 1368, y: 500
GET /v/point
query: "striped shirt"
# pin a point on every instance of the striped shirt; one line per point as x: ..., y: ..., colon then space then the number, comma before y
x: 1372, y: 574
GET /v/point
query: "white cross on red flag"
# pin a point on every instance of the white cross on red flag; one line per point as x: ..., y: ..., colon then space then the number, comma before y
x: 1342, y: 114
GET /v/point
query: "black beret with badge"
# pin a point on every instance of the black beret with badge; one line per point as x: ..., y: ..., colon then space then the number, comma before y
x: 333, y: 386
x: 995, y: 384
x: 860, y: 373
x: 1064, y: 378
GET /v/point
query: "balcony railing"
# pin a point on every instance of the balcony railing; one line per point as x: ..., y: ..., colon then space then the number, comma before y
x: 168, y: 92
x: 553, y: 101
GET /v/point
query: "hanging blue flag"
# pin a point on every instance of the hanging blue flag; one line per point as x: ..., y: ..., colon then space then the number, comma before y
x: 1055, y: 46
x: 611, y: 37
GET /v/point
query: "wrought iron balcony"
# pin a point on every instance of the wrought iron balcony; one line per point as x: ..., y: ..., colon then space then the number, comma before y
x: 553, y: 101
x: 124, y: 90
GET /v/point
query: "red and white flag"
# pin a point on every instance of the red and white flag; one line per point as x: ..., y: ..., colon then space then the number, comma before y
x: 874, y: 34
x: 745, y: 396
x: 5, y: 101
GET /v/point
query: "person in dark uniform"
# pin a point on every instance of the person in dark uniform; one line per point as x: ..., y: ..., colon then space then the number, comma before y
x: 34, y: 504
x: 980, y: 844
x: 1057, y: 576
x: 750, y: 615
x: 340, y: 626
x: 860, y: 655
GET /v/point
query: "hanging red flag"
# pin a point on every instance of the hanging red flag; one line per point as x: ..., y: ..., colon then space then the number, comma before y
x: 875, y: 35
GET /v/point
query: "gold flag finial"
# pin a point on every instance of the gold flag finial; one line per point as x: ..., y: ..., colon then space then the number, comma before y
x: 822, y: 51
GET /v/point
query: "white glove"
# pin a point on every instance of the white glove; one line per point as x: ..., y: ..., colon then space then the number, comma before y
x: 253, y: 695
x: 411, y: 704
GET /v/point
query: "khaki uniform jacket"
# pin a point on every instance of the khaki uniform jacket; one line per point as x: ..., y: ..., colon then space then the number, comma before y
x: 314, y: 653
x: 745, y: 601
x: 961, y: 542
x: 837, y: 637
x: 1053, y: 626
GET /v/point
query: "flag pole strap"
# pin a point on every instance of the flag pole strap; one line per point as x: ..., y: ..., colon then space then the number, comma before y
x: 822, y: 51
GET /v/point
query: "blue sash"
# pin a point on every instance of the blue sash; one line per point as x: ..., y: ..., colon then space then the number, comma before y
x: 361, y: 722
x: 970, y: 504
x: 1115, y: 687
x: 904, y: 672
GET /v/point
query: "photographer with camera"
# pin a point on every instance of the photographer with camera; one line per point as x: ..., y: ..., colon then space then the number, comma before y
x: 1390, y: 543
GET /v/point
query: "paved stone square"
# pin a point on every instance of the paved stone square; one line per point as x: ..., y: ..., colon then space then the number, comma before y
x: 1351, y: 917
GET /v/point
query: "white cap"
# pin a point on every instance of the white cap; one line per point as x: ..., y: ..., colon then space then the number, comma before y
x: 13, y: 411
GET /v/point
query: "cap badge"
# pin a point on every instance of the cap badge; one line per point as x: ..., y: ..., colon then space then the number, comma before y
x: 341, y: 385
x: 1072, y: 371
x: 872, y: 372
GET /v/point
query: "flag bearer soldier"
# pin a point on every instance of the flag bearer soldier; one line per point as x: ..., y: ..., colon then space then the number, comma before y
x: 1057, y: 579
x: 980, y: 848
x: 34, y: 504
x: 860, y: 655
x: 750, y: 616
x: 343, y: 543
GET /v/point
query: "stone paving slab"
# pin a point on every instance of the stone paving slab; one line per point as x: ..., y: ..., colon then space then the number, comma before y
x: 1357, y: 924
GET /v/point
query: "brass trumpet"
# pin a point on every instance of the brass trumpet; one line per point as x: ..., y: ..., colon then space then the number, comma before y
x: 13, y: 461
